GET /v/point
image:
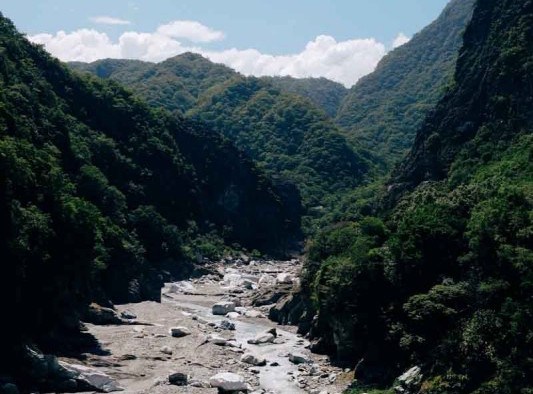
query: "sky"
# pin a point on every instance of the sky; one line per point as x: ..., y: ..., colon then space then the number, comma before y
x: 342, y: 40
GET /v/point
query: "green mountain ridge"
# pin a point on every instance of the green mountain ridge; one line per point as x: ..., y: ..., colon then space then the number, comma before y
x: 442, y: 277
x: 384, y: 110
x: 287, y: 135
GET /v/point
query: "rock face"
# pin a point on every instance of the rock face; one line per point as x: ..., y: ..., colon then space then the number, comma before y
x: 91, y: 378
x: 224, y: 307
x: 178, y: 332
x: 227, y: 382
x: 409, y: 381
x: 249, y: 358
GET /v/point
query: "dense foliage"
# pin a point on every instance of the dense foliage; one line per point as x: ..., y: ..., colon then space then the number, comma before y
x: 99, y: 193
x: 289, y: 137
x: 385, y: 109
x: 322, y: 92
x: 443, y: 278
x: 174, y: 84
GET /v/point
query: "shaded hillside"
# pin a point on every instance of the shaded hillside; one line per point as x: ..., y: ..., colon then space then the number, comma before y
x: 384, y: 110
x: 287, y: 135
x: 325, y: 94
x: 99, y: 193
x: 443, y: 278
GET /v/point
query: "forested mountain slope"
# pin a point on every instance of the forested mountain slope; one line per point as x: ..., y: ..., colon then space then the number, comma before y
x: 98, y: 193
x: 442, y: 279
x: 174, y: 84
x: 325, y: 94
x: 292, y: 139
x: 384, y: 110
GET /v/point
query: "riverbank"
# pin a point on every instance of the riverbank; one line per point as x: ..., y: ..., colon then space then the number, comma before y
x: 142, y: 357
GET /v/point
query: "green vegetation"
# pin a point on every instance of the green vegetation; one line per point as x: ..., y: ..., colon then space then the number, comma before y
x: 291, y: 139
x: 442, y: 275
x: 99, y: 194
x: 322, y: 92
x: 174, y: 84
x: 385, y: 109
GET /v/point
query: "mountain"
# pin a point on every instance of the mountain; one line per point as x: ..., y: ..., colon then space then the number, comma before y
x: 384, y: 110
x: 101, y: 197
x: 174, y: 84
x: 289, y: 137
x: 441, y: 277
x: 325, y: 94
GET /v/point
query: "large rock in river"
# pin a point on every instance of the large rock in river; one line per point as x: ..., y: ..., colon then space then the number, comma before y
x: 228, y: 382
x: 223, y: 307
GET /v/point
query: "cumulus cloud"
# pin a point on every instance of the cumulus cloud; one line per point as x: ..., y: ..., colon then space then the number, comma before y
x: 400, y: 40
x: 190, y: 30
x: 341, y: 61
x: 109, y: 20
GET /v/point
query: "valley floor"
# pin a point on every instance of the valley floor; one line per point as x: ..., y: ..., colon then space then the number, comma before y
x: 142, y: 356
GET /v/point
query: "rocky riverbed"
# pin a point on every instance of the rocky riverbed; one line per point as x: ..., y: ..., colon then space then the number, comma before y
x: 206, y: 335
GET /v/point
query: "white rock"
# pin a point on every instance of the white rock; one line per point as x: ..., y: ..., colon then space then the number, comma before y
x: 249, y: 358
x: 232, y: 280
x: 241, y: 309
x: 217, y: 340
x: 262, y: 338
x: 223, y: 308
x: 254, y: 314
x: 233, y: 315
x: 266, y: 280
x: 92, y: 377
x: 228, y: 381
x: 411, y: 377
x: 178, y: 332
x: 285, y: 278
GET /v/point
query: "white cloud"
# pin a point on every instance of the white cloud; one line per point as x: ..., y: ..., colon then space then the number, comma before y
x: 400, y: 40
x: 109, y: 20
x: 341, y: 61
x: 190, y: 30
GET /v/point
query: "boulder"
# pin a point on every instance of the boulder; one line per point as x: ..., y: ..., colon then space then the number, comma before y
x: 285, y: 278
x: 227, y: 325
x: 270, y: 295
x: 100, y: 315
x: 178, y: 379
x: 128, y: 315
x: 409, y: 381
x: 249, y: 358
x: 297, y: 358
x: 233, y: 315
x: 91, y: 378
x: 227, y: 382
x: 262, y: 338
x: 266, y: 280
x: 178, y: 332
x: 254, y: 314
x: 223, y: 308
x: 217, y: 340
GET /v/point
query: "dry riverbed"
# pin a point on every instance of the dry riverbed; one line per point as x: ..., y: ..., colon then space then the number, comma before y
x: 141, y: 357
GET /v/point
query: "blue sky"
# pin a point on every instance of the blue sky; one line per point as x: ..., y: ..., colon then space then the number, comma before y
x: 282, y: 28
